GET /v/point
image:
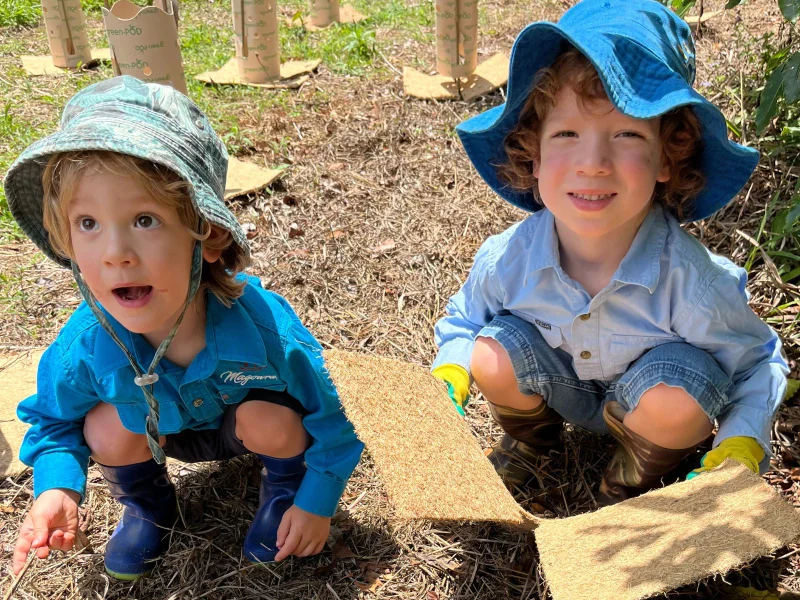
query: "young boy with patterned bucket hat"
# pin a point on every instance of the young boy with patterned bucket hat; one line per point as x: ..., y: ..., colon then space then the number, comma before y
x: 598, y: 309
x: 175, y: 352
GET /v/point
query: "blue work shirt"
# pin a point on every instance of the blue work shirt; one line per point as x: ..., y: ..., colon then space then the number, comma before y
x: 259, y: 342
x: 668, y: 288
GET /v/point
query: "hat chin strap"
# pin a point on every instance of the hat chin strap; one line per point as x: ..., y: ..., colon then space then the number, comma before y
x: 146, y: 380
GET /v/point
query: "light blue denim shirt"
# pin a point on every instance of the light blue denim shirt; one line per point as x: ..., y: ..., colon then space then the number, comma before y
x: 668, y: 288
x: 258, y: 342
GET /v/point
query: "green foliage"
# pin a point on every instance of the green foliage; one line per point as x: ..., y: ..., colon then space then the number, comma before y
x: 20, y: 13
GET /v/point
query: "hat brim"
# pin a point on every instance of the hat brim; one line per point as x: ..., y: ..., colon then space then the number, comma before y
x: 23, y: 182
x: 641, y: 86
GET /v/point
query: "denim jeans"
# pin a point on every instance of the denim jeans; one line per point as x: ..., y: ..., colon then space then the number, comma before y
x: 548, y: 372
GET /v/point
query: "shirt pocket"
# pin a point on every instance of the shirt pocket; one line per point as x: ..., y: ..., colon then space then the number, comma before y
x: 550, y: 333
x: 626, y: 349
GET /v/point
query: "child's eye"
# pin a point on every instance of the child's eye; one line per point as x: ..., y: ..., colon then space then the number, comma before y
x: 565, y: 134
x: 147, y: 221
x: 86, y: 223
x: 633, y: 134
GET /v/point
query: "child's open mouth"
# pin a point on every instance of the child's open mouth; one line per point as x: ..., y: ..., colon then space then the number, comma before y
x: 133, y: 296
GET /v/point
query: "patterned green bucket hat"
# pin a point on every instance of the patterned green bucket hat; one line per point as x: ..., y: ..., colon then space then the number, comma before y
x: 150, y: 121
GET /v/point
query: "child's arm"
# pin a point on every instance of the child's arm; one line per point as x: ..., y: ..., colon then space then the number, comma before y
x: 467, y: 312
x: 749, y: 352
x: 54, y: 446
x: 334, y: 452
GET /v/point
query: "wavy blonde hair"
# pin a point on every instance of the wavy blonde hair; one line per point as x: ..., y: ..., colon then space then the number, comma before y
x: 679, y: 131
x: 64, y: 171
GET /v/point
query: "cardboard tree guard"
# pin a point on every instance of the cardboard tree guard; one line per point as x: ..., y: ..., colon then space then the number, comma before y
x: 66, y: 33
x: 144, y: 42
x: 456, y: 37
x: 324, y: 13
x: 258, y: 51
x: 459, y: 75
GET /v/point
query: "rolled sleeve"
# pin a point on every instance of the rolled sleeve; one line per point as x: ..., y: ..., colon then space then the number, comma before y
x: 747, y: 350
x: 54, y: 444
x: 471, y: 308
x: 335, y: 450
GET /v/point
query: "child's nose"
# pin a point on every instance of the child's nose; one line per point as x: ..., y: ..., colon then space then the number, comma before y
x: 119, y: 251
x: 592, y: 158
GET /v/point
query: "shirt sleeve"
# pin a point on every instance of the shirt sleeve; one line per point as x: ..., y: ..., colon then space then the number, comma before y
x: 335, y: 450
x: 747, y: 350
x: 470, y: 309
x: 54, y: 444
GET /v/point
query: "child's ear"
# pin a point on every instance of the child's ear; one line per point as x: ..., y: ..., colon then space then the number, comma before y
x: 664, y: 173
x: 212, y: 254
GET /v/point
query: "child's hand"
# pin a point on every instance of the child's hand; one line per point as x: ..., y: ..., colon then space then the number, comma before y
x: 746, y: 450
x: 457, y: 380
x: 51, y: 523
x: 301, y: 533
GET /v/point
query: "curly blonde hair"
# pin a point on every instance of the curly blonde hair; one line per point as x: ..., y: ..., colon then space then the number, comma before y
x: 64, y: 171
x: 679, y: 131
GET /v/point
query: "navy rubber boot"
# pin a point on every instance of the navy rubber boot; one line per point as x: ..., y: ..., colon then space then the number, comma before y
x: 280, y: 480
x: 151, y: 510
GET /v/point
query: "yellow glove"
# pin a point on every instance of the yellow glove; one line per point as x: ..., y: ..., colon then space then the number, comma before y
x: 457, y: 380
x: 746, y: 450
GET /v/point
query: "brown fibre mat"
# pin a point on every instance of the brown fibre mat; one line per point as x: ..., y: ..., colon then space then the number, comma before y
x: 18, y: 381
x: 487, y: 77
x: 247, y: 178
x: 294, y: 73
x: 667, y: 538
x: 431, y: 465
x: 43, y: 65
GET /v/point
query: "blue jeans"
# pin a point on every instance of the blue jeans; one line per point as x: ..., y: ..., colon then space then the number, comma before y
x: 548, y: 372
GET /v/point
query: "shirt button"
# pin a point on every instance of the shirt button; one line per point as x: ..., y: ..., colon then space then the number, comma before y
x: 585, y: 317
x: 198, y: 402
x: 586, y: 355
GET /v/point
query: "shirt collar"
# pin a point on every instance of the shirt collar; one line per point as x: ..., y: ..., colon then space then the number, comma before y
x: 231, y: 335
x: 545, y: 241
x: 641, y: 264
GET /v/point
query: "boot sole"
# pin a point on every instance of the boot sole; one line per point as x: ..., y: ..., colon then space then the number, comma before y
x: 127, y: 576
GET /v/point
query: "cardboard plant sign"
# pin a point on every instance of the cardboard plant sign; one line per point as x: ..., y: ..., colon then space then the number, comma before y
x: 66, y: 33
x: 258, y: 54
x: 144, y: 42
x: 456, y: 37
x: 324, y: 12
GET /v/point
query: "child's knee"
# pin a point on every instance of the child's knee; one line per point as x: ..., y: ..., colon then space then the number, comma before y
x: 491, y: 367
x: 107, y: 437
x: 270, y: 429
x: 672, y: 408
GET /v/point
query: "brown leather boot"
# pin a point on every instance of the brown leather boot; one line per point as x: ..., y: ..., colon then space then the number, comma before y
x: 637, y: 465
x: 529, y: 434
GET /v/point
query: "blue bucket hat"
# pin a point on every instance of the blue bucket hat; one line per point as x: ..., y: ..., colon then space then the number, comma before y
x: 644, y: 55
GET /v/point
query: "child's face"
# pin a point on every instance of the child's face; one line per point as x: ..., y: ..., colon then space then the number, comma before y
x: 134, y: 253
x: 598, y: 168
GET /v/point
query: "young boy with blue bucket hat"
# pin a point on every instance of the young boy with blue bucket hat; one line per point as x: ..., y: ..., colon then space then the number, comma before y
x: 598, y: 309
x: 175, y: 352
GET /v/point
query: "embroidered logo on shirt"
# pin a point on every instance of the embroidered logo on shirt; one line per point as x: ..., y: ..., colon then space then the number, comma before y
x: 542, y: 324
x: 240, y: 378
